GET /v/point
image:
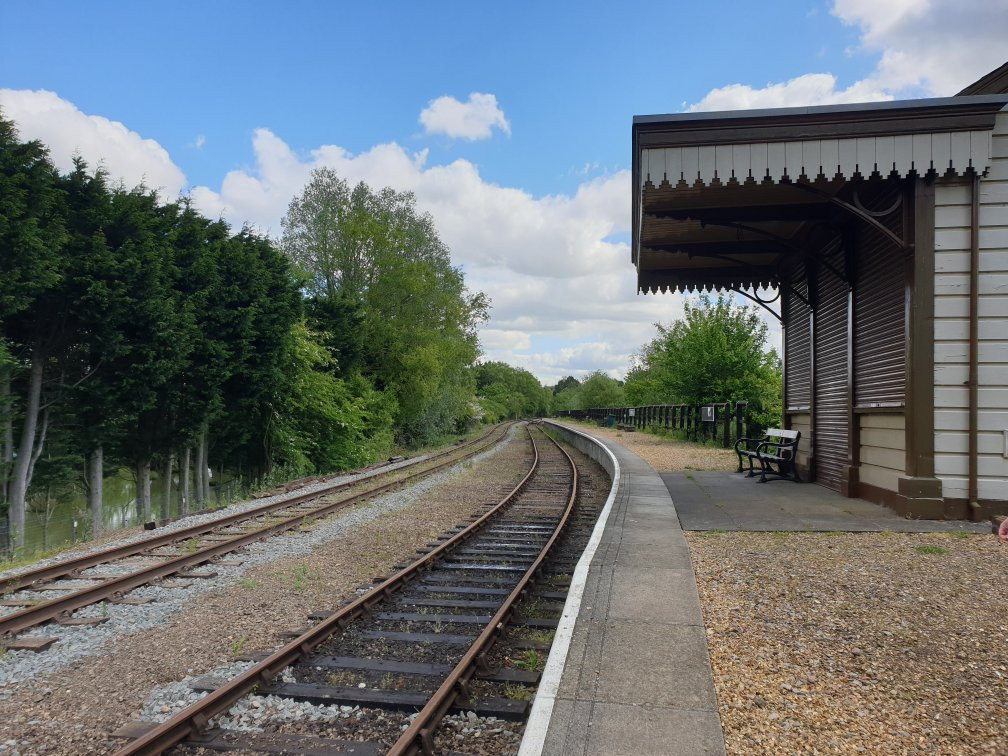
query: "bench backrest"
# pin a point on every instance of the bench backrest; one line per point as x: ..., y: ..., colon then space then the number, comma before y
x: 782, y: 433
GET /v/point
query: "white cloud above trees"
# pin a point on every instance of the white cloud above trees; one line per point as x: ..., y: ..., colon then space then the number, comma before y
x: 66, y: 130
x: 471, y: 120
x: 561, y: 287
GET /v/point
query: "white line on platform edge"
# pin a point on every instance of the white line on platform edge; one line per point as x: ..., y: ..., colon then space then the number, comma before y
x: 542, y: 709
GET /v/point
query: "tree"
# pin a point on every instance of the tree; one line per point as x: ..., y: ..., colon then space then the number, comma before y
x: 600, y: 390
x: 33, y: 308
x: 509, y: 392
x: 717, y: 352
x: 376, y: 266
x: 566, y: 383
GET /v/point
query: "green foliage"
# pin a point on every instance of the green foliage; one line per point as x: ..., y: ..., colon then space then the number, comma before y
x: 393, y: 307
x: 508, y: 392
x: 324, y: 422
x: 600, y: 390
x: 717, y: 352
x: 569, y: 382
x: 148, y: 325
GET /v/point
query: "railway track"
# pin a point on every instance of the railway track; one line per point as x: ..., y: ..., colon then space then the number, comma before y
x: 425, y: 641
x: 177, y: 553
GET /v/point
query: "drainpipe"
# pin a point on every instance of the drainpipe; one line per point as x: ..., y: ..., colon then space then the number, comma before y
x: 974, y: 347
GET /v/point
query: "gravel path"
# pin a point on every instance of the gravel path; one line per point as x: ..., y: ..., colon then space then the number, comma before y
x: 857, y: 642
x: 665, y: 454
x: 280, y: 582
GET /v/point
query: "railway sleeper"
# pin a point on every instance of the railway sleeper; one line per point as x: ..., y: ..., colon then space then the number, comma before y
x: 393, y: 700
x: 264, y: 742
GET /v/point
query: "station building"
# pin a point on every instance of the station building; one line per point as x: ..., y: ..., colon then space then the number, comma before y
x: 881, y: 231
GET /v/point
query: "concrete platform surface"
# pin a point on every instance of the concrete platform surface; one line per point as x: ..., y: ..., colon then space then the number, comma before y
x: 731, y: 501
x: 636, y: 678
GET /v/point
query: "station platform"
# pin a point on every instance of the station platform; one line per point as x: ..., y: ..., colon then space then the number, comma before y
x: 629, y: 672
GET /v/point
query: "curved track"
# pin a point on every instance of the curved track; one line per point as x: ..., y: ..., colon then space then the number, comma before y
x: 403, y: 622
x: 206, y: 542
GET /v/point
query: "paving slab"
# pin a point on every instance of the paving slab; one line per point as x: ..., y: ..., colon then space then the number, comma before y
x: 731, y: 501
x: 636, y: 678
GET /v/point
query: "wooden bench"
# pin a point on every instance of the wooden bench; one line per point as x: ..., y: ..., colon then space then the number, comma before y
x: 775, y: 452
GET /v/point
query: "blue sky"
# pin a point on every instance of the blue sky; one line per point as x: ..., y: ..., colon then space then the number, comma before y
x: 235, y: 102
x: 357, y: 74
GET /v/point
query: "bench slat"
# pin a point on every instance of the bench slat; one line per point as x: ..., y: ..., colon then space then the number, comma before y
x: 782, y: 433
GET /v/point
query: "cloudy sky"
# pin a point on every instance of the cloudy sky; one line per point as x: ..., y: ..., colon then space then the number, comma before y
x: 510, y: 123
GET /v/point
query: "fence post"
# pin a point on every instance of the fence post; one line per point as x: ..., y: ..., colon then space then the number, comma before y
x: 740, y: 408
x: 727, y: 424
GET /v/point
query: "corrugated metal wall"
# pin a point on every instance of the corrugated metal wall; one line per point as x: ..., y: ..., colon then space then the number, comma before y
x: 879, y: 313
x: 831, y: 396
x: 796, y: 343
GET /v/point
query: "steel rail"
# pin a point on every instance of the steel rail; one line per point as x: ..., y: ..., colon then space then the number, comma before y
x: 194, y: 719
x: 419, y: 736
x: 115, y: 587
x: 70, y: 567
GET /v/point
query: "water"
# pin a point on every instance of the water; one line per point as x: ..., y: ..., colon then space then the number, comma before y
x: 54, y: 522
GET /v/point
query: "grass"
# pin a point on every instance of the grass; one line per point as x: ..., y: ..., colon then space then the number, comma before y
x: 3, y: 652
x: 517, y: 692
x: 714, y: 533
x: 930, y: 550
x: 530, y: 660
x: 248, y: 583
x: 540, y: 636
x: 26, y: 559
x: 190, y: 545
x: 342, y: 678
x: 237, y: 646
x: 302, y: 575
x: 959, y: 534
x: 535, y: 608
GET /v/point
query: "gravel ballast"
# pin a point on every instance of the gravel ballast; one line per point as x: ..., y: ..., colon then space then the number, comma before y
x: 136, y: 534
x: 857, y: 642
x: 280, y: 582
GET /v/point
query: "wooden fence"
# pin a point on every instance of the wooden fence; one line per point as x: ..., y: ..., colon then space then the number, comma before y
x: 728, y: 419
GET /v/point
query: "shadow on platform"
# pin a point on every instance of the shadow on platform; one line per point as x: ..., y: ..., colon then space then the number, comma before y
x: 730, y: 501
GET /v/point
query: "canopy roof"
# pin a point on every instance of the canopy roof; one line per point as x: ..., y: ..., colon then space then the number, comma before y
x: 722, y: 199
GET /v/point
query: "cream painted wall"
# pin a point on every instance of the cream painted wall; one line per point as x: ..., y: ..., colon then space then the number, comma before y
x: 951, y: 328
x: 883, y: 449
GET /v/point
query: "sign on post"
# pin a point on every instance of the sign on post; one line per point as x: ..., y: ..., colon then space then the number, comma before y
x: 707, y: 413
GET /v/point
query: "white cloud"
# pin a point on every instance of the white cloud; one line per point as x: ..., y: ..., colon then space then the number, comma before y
x: 815, y: 88
x: 931, y: 47
x: 471, y: 120
x: 126, y: 155
x: 546, y: 262
x: 199, y: 142
x: 925, y: 48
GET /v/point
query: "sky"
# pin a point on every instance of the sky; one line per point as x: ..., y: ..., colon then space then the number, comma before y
x: 510, y: 122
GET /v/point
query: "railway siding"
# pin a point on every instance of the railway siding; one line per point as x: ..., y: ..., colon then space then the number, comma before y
x: 276, y: 580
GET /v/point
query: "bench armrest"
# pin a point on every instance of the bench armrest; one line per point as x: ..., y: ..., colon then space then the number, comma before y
x: 743, y: 443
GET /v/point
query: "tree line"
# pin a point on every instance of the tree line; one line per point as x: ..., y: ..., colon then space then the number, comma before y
x: 718, y: 351
x: 136, y: 333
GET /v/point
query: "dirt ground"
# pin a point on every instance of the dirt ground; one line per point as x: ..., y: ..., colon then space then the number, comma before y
x: 666, y: 454
x: 857, y: 642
